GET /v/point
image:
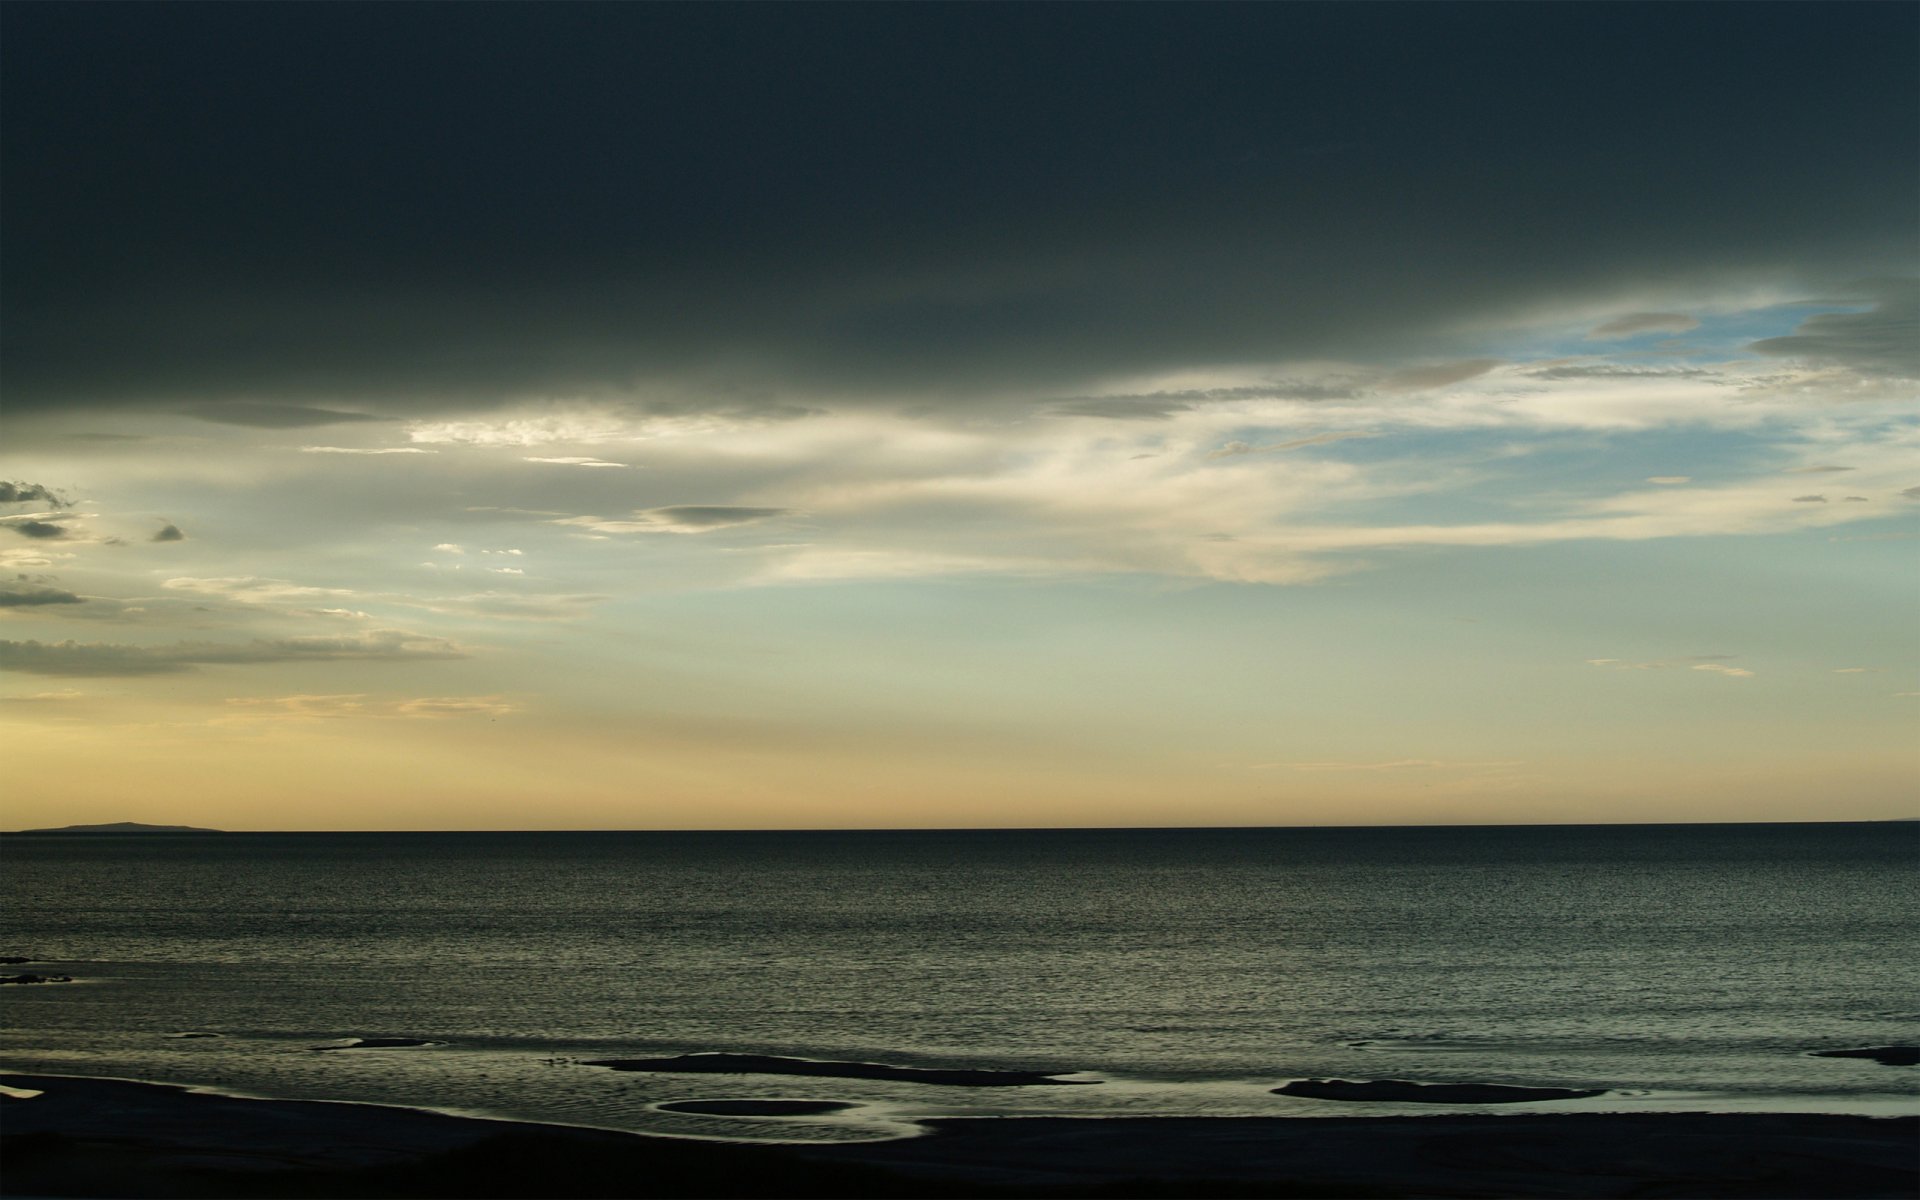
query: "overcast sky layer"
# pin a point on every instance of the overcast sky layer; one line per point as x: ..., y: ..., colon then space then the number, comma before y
x: 572, y: 416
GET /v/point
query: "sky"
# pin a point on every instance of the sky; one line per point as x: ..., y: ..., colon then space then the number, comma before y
x: 592, y: 416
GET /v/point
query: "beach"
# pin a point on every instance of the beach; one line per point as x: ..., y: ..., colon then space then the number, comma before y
x: 67, y: 1136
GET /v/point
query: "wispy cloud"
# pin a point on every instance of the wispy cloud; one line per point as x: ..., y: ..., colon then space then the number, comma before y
x: 111, y: 658
x: 1883, y: 340
x: 1436, y: 375
x: 25, y: 593
x: 276, y: 416
x: 680, y: 518
x: 248, y: 589
x: 1723, y: 669
x: 299, y: 709
x: 1234, y: 449
x: 1636, y: 324
x: 1696, y: 662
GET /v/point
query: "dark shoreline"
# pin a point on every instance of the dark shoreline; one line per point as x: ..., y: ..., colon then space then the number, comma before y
x: 97, y: 1137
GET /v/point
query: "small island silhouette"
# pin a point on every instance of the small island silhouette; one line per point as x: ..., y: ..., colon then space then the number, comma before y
x: 125, y: 827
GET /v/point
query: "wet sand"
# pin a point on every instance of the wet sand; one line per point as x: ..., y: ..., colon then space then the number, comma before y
x: 90, y: 1137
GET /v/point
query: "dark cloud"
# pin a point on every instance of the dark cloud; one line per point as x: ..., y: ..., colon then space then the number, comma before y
x: 169, y: 533
x: 1635, y: 324
x: 23, y: 593
x: 1912, y: 493
x: 275, y: 416
x: 913, y: 203
x: 1809, y: 499
x: 1123, y: 408
x: 1884, y: 340
x: 1823, y: 469
x: 24, y: 493
x: 1437, y: 375
x: 1156, y: 406
x: 37, y: 529
x: 112, y: 658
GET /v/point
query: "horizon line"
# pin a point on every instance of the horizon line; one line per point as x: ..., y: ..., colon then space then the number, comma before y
x: 157, y: 830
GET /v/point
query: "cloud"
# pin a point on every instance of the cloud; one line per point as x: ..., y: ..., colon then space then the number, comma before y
x: 23, y: 593
x: 681, y: 518
x: 450, y: 548
x: 34, y: 699
x: 25, y: 493
x: 1617, y: 371
x: 274, y: 416
x: 1436, y: 375
x: 1884, y: 340
x: 1812, y: 499
x: 111, y: 658
x: 1123, y: 408
x: 1669, y: 480
x: 578, y: 462
x: 34, y: 528
x: 1815, y: 470
x: 358, y: 450
x: 1693, y: 662
x: 1161, y: 405
x: 1634, y: 324
x: 442, y: 707
x: 1234, y: 449
x: 168, y: 533
x: 1912, y: 493
x: 301, y: 708
x: 513, y: 606
x: 583, y: 427
x: 249, y: 589
x: 35, y: 556
x: 252, y: 710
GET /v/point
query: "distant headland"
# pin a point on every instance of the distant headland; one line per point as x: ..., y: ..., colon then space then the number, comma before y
x: 125, y: 827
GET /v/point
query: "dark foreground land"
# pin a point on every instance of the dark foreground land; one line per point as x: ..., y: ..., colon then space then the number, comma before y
x: 108, y: 1138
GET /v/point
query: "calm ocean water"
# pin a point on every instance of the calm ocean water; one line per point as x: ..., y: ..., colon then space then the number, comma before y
x: 1190, y: 970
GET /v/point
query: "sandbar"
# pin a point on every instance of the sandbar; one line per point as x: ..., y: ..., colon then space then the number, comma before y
x: 757, y: 1108
x: 769, y: 1064
x: 1886, y: 1056
x: 1403, y: 1091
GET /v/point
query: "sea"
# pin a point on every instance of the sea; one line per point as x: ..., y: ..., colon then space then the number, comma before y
x: 1174, y: 972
